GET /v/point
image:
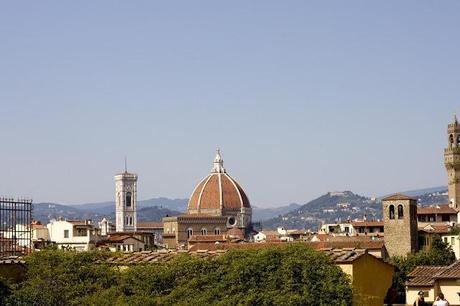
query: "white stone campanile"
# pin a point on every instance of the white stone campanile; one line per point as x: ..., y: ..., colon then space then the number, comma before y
x: 126, y: 202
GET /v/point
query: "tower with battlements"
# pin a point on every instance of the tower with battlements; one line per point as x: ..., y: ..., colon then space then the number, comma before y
x: 452, y: 163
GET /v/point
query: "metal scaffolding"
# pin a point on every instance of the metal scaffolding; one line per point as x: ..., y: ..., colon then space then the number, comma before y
x: 15, y: 227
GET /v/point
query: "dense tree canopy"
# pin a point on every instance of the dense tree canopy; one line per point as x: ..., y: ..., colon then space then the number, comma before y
x: 291, y: 275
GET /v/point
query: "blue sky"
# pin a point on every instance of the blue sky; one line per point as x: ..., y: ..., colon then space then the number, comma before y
x: 302, y: 97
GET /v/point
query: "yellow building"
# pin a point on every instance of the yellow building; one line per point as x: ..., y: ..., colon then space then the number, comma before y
x: 434, y: 280
x: 371, y: 277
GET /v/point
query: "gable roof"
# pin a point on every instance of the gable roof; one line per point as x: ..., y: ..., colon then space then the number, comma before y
x: 398, y: 196
x: 423, y: 275
x: 426, y: 275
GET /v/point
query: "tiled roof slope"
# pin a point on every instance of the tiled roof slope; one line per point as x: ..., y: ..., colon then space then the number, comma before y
x: 145, y: 257
x: 423, y: 275
x: 440, y: 209
x: 398, y: 196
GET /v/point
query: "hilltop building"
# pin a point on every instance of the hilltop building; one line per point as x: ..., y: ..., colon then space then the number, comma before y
x: 126, y: 201
x: 217, y: 204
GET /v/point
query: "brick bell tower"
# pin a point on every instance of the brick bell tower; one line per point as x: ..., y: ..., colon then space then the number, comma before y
x: 452, y: 163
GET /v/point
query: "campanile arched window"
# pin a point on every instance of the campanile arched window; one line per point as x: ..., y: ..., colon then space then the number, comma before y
x: 400, y: 212
x: 128, y: 199
x: 392, y: 211
x: 204, y: 231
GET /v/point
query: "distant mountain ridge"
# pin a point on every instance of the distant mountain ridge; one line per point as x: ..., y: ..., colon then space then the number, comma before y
x: 148, y: 210
x: 340, y: 206
x: 329, y: 208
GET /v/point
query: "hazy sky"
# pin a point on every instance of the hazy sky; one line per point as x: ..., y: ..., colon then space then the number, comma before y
x: 303, y: 97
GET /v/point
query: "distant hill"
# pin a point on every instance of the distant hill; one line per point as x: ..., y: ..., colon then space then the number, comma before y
x: 339, y: 206
x: 259, y: 213
x: 328, y: 208
x: 147, y: 211
x: 102, y: 207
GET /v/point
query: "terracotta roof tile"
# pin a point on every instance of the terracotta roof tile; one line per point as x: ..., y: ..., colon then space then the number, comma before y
x: 423, y: 275
x: 367, y: 223
x: 398, y: 196
x: 439, y: 209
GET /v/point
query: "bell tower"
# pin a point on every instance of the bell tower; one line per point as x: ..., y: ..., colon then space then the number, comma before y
x: 452, y: 163
x: 126, y: 201
x: 400, y: 224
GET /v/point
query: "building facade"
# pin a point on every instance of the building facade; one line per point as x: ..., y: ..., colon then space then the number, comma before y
x: 452, y: 163
x: 400, y: 224
x: 126, y: 202
x: 217, y: 204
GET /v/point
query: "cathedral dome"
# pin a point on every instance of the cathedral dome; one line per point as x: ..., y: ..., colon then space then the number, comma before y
x: 218, y: 193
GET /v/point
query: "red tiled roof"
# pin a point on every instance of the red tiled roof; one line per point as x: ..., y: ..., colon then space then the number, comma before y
x: 438, y: 228
x: 360, y: 244
x: 440, y: 209
x: 297, y: 232
x: 398, y: 196
x: 120, y: 238
x: 367, y: 223
x: 197, y: 216
x: 423, y: 275
x: 337, y: 255
x: 452, y: 271
x: 426, y: 275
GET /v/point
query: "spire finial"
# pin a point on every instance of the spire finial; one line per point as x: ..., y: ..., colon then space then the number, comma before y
x: 218, y: 166
x: 126, y: 165
x: 455, y: 118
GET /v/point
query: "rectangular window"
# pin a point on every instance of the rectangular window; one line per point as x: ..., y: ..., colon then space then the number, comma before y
x: 445, y: 218
x: 452, y: 240
x: 66, y: 233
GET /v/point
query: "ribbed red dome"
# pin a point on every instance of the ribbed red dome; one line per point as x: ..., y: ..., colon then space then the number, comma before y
x: 218, y: 193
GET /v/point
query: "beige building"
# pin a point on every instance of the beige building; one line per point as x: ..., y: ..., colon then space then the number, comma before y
x: 434, y: 280
x: 217, y: 204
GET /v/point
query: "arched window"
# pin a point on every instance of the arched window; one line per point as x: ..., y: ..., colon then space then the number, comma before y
x: 204, y: 231
x: 392, y: 211
x: 400, y: 211
x: 128, y: 199
x: 458, y: 140
x: 189, y: 233
x: 217, y: 231
x: 451, y: 140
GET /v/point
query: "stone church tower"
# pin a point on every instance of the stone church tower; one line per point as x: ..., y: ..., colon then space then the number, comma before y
x: 452, y: 163
x: 126, y: 201
x: 400, y: 224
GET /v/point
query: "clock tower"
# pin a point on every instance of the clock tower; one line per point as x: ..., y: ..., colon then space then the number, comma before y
x: 126, y: 201
x: 452, y: 163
